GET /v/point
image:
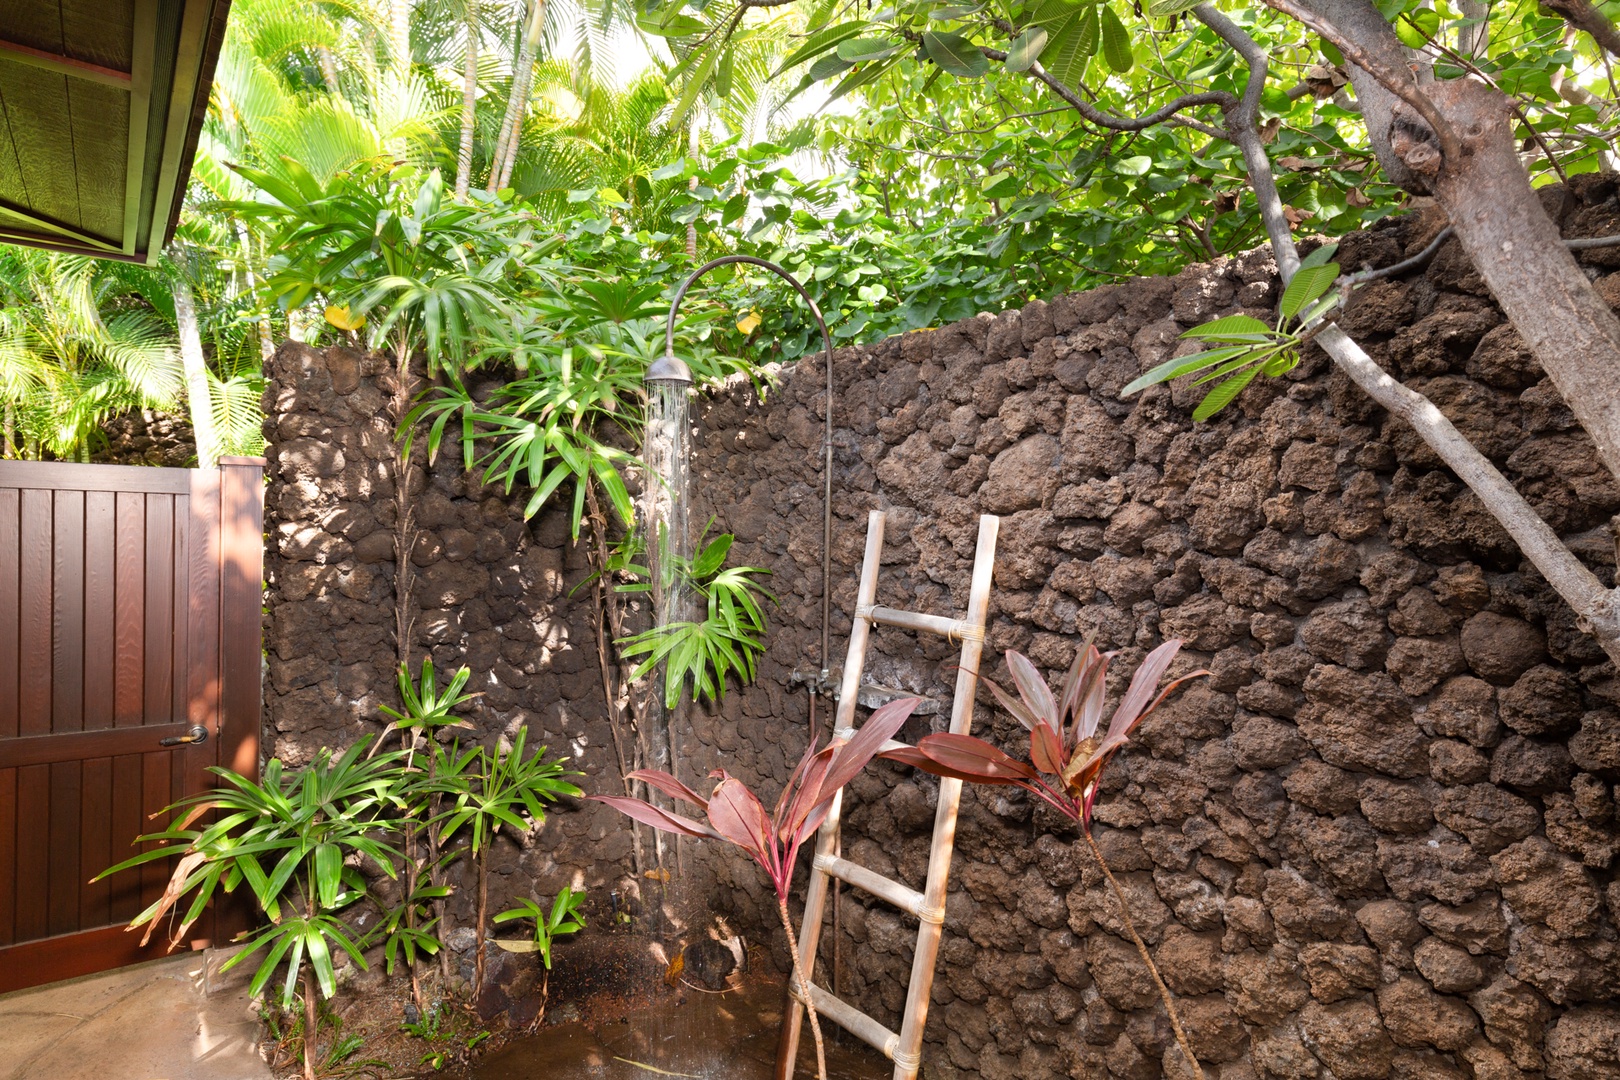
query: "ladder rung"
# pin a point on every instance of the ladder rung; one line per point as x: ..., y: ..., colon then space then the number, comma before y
x: 955, y: 629
x: 852, y: 1020
x: 905, y: 898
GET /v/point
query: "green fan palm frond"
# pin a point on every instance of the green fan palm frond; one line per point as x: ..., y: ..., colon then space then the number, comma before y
x: 238, y: 419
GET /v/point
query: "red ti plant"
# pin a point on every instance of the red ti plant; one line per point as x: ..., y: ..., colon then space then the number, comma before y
x: 1066, y: 757
x: 735, y: 814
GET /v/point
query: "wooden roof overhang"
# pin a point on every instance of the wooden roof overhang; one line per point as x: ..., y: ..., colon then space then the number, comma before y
x: 100, y: 105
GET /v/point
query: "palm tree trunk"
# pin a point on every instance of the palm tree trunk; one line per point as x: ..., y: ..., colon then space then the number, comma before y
x: 328, y: 65
x: 500, y: 169
x: 399, y: 33
x: 469, y: 101
x: 692, y: 148
x: 198, y: 398
x: 267, y: 344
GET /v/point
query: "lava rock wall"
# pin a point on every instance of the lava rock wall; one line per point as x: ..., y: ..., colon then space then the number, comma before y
x: 1378, y: 841
x: 490, y: 592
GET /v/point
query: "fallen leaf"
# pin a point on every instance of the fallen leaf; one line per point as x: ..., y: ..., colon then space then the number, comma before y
x: 748, y: 323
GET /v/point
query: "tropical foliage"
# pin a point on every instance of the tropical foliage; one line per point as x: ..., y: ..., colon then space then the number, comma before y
x: 1065, y: 747
x: 304, y: 841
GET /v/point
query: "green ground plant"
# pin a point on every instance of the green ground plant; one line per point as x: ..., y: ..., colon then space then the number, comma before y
x: 563, y: 918
x: 484, y: 790
x: 304, y: 841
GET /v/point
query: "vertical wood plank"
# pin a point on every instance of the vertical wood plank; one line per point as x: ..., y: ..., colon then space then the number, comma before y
x: 241, y: 512
x: 95, y: 843
x: 9, y: 825
x: 34, y: 653
x: 100, y: 646
x: 124, y: 890
x: 100, y: 608
x: 129, y: 620
x: 63, y: 850
x: 158, y: 706
x: 156, y: 779
x: 33, y: 869
x: 67, y: 613
x: 10, y: 618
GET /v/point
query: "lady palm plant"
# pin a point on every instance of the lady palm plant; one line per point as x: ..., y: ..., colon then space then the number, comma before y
x: 484, y: 790
x: 295, y: 840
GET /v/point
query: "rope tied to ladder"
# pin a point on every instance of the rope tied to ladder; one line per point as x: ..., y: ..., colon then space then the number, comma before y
x: 964, y: 632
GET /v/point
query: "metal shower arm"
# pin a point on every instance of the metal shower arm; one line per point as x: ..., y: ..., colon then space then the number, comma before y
x: 669, y: 365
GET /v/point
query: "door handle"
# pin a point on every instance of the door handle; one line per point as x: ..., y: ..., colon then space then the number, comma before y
x: 197, y: 734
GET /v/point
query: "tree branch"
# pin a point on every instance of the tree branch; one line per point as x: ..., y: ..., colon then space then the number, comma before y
x: 1597, y: 607
x: 1109, y: 120
x: 1583, y: 16
x: 1241, y: 121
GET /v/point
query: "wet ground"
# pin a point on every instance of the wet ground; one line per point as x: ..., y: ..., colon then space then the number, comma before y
x: 705, y: 1036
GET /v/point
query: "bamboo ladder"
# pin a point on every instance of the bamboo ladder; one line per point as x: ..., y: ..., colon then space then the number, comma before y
x: 905, y: 1046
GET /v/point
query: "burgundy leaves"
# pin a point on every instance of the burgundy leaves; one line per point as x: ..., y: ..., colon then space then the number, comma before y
x: 1063, y: 740
x: 737, y: 815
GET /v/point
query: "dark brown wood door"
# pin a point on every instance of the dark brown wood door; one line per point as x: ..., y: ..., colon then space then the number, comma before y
x: 129, y: 614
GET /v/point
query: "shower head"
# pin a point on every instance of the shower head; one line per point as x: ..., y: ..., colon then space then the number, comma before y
x: 668, y: 369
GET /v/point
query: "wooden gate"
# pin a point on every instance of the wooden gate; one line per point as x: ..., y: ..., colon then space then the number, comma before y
x: 130, y: 606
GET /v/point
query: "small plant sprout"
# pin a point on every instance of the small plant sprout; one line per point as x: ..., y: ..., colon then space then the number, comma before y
x: 737, y: 816
x: 562, y: 919
x: 1246, y: 347
x: 1066, y: 757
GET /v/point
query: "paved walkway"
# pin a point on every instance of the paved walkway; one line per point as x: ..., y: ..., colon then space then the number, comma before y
x: 155, y: 1021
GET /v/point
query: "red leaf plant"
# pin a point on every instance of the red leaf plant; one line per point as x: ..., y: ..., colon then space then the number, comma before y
x: 1066, y: 757
x: 736, y: 815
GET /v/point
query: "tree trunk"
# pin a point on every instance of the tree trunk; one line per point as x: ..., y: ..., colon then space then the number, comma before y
x: 1364, y: 23
x: 1518, y: 250
x: 469, y: 101
x: 517, y: 104
x: 198, y: 398
x: 328, y: 66
x: 399, y: 33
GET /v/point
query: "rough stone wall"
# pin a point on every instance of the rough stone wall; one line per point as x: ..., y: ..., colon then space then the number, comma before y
x: 1378, y: 841
x: 489, y: 593
x: 145, y: 437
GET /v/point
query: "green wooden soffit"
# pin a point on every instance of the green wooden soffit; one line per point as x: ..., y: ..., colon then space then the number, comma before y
x: 100, y: 105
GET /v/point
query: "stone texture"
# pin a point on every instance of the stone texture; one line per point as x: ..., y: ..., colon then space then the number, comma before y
x: 1378, y: 840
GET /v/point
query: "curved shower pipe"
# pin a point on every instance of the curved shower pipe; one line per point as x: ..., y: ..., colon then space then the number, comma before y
x: 670, y: 369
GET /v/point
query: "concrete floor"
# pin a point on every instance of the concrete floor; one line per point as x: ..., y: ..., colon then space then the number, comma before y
x: 166, y: 1020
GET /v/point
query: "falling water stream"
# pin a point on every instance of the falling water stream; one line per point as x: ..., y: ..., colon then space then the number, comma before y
x: 664, y: 524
